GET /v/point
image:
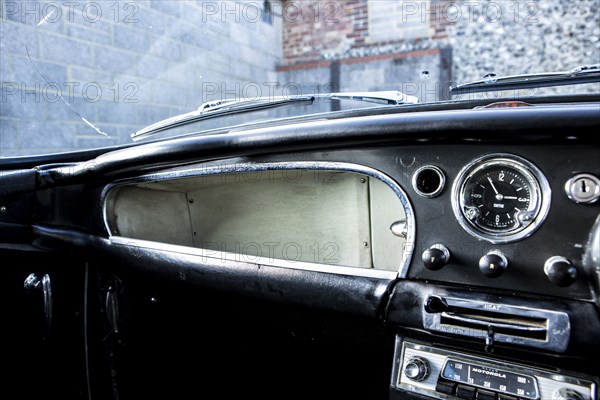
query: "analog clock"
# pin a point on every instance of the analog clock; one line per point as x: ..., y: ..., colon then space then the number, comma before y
x: 501, y: 198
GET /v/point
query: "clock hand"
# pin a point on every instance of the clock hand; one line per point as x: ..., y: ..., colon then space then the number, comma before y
x: 492, y: 183
x: 511, y: 197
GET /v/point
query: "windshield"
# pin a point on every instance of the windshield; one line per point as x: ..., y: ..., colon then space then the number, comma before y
x: 87, y: 74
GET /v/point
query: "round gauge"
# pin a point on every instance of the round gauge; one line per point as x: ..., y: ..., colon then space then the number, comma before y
x: 501, y: 198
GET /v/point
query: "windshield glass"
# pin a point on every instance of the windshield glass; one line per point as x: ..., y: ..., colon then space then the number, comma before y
x: 87, y: 74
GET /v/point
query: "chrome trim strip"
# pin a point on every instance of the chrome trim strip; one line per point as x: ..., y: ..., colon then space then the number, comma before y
x: 524, y: 166
x: 216, y: 169
x: 226, y: 257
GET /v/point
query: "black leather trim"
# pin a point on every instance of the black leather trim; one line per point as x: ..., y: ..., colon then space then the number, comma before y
x: 16, y: 182
x: 360, y: 296
x: 14, y: 233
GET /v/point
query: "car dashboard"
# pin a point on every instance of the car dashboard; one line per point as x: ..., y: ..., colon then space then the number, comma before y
x: 463, y: 243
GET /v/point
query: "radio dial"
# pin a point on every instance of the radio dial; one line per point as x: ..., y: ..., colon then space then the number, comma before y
x: 416, y: 369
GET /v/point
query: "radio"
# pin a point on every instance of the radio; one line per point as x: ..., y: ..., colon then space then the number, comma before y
x: 444, y: 374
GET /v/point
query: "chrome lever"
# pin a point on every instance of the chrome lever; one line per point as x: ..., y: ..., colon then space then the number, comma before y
x: 33, y: 282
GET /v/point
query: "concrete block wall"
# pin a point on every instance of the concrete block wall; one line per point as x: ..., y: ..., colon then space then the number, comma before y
x: 124, y: 65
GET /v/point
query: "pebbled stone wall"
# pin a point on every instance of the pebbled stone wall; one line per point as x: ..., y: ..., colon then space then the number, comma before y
x: 514, y: 37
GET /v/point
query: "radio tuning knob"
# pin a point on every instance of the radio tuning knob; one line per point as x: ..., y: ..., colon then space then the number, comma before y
x: 493, y: 264
x: 567, y: 394
x: 416, y: 369
x: 560, y: 271
x: 435, y: 257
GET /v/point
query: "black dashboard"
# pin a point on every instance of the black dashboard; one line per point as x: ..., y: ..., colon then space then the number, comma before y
x: 496, y: 212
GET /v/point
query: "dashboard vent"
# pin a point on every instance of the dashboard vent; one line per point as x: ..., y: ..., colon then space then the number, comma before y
x: 510, y: 324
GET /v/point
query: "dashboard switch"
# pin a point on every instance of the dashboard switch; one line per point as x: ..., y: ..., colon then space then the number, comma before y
x: 493, y: 264
x: 436, y: 257
x: 560, y: 271
x: 416, y: 369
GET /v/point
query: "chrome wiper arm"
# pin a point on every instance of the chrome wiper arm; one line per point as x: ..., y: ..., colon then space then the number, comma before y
x: 579, y: 75
x: 212, y: 109
x: 391, y: 97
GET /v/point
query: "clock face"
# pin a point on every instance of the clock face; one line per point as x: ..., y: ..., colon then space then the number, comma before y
x: 500, y: 198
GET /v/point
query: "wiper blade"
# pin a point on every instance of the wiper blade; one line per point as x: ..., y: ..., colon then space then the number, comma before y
x: 218, y: 108
x: 579, y: 75
x: 212, y: 109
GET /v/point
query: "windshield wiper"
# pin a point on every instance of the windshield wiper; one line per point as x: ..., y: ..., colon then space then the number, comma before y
x: 579, y: 75
x: 218, y: 108
x: 391, y: 97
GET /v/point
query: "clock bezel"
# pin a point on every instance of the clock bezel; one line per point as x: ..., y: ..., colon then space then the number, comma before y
x: 540, y: 194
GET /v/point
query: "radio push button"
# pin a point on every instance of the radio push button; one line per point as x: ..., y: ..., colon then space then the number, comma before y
x: 485, y: 395
x: 465, y: 392
x: 445, y: 387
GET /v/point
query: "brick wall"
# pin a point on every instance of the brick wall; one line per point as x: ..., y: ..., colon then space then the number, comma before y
x: 368, y: 45
x: 314, y: 30
x: 330, y: 30
x: 123, y: 66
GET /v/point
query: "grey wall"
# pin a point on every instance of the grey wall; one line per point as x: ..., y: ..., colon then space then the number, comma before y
x: 123, y: 66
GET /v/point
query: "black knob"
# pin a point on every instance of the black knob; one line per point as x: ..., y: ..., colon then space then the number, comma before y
x: 493, y: 264
x: 560, y: 271
x: 435, y: 257
x: 416, y: 369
